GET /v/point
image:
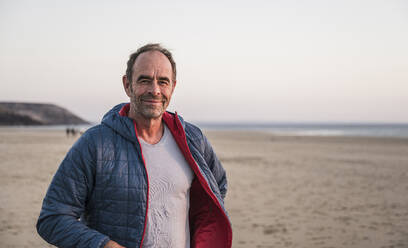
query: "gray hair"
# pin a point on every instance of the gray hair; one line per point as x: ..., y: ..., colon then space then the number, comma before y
x: 147, y: 48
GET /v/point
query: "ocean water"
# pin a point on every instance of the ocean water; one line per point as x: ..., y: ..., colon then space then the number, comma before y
x: 292, y: 129
x: 317, y: 129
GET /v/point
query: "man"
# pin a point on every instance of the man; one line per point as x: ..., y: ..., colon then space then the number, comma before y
x: 143, y: 177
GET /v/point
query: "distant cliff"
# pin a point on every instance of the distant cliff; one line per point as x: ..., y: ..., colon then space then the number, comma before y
x: 15, y: 113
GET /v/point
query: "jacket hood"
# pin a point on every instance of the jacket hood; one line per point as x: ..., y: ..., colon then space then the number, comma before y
x: 123, y: 125
x: 117, y: 119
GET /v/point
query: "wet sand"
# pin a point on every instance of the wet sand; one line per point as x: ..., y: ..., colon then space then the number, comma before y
x: 283, y: 191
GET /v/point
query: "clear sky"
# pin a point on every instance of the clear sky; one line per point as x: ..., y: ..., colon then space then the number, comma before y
x: 254, y: 61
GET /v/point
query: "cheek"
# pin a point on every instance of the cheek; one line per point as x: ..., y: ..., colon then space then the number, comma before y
x: 138, y: 91
x: 168, y: 93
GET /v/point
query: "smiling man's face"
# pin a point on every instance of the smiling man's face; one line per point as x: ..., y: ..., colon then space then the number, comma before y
x: 151, y: 85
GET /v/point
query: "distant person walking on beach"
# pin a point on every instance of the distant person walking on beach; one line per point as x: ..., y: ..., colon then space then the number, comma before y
x: 71, y: 131
x: 144, y: 177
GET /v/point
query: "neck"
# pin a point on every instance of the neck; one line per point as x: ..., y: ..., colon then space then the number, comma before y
x: 150, y: 130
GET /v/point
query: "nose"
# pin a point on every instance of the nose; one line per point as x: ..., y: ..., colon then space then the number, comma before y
x: 154, y: 88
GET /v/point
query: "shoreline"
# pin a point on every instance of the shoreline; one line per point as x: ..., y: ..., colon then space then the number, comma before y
x: 61, y: 129
x: 380, y: 130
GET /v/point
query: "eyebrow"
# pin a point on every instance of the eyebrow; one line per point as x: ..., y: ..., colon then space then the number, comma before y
x: 164, y: 79
x: 141, y: 77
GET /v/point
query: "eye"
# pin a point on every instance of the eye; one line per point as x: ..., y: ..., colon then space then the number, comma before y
x: 163, y: 82
x: 144, y: 81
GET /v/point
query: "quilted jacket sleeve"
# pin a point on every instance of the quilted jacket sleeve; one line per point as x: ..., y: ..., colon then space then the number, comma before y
x: 66, y: 199
x: 215, y: 167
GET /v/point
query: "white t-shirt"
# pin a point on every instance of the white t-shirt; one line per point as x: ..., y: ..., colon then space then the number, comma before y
x: 170, y: 180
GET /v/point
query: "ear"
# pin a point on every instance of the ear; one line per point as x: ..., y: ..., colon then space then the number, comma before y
x: 126, y: 85
x: 174, y: 85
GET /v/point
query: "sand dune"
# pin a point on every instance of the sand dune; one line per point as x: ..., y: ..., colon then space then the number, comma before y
x: 283, y: 191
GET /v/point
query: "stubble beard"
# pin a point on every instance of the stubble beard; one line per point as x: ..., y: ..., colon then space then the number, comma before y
x: 146, y: 111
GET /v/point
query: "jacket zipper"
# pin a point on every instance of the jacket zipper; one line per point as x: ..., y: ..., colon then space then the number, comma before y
x: 147, y: 178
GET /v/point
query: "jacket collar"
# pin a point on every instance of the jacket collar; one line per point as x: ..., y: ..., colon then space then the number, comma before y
x: 117, y: 119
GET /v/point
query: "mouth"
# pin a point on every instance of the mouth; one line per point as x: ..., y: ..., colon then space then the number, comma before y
x: 152, y: 101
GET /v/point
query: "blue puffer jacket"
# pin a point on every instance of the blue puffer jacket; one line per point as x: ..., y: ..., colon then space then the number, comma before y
x: 100, y: 191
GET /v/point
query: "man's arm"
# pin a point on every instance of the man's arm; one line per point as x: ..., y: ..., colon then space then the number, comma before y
x: 66, y: 198
x: 216, y: 167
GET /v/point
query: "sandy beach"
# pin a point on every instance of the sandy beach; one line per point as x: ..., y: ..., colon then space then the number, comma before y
x: 284, y: 191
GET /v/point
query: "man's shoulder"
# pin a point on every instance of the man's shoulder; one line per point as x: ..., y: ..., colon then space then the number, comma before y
x: 94, y: 130
x: 95, y: 133
x: 192, y: 130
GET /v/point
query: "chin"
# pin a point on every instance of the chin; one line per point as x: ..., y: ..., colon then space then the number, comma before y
x: 152, y: 114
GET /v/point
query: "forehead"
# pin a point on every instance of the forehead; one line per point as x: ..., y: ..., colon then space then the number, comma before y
x: 152, y: 62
